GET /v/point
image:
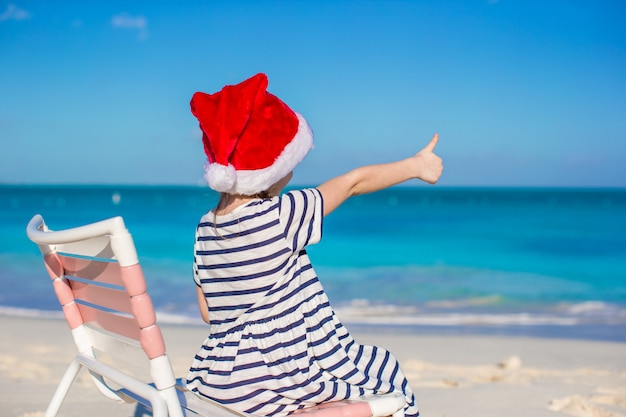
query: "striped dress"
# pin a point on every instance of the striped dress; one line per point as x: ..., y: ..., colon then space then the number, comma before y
x: 275, y: 344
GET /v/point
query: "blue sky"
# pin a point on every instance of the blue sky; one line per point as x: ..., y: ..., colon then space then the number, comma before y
x: 522, y: 92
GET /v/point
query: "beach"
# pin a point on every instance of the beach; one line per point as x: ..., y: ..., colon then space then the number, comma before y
x: 452, y: 375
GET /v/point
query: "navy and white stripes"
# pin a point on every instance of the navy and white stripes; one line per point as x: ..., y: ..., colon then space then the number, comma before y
x: 275, y: 344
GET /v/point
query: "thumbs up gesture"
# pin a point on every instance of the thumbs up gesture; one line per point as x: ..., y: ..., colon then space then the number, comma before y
x: 430, y: 166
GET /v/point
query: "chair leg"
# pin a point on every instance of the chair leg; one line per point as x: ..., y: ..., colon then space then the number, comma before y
x: 63, y: 388
x: 171, y: 398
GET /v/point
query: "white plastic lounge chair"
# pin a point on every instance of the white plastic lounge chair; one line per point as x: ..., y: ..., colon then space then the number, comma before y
x: 98, y: 280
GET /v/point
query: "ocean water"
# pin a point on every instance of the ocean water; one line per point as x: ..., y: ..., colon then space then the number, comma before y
x: 516, y: 261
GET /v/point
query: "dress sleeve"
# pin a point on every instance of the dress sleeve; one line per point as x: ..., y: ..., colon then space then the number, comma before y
x: 301, y: 215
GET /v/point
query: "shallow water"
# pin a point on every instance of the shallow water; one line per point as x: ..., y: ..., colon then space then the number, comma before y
x: 512, y: 260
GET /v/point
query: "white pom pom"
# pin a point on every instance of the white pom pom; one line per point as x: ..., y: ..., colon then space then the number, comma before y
x: 221, y: 178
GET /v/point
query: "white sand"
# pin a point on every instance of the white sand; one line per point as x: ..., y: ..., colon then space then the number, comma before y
x: 452, y: 376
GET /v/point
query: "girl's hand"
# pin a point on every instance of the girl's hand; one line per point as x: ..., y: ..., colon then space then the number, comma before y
x: 424, y: 165
x: 429, y: 166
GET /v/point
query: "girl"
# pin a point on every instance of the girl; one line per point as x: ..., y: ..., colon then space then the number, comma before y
x: 275, y: 344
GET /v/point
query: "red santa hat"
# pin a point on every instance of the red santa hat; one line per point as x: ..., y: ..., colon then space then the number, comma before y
x: 251, y: 138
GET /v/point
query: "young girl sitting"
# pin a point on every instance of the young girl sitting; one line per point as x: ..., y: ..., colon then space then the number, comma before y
x: 275, y: 343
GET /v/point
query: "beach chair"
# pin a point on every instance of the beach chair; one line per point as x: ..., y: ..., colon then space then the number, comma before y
x: 98, y: 280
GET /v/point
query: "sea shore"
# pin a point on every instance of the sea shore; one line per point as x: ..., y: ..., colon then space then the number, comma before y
x: 452, y: 375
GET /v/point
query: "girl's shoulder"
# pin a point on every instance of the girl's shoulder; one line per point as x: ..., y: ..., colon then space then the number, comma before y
x: 302, y: 201
x: 309, y: 192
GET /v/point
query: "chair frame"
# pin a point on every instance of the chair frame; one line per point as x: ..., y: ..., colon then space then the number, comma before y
x: 97, y: 278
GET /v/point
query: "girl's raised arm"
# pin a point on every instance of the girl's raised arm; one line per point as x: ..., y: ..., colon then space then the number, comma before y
x: 424, y: 165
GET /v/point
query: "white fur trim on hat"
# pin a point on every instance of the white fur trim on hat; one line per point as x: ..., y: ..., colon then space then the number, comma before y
x: 220, y: 177
x: 250, y: 182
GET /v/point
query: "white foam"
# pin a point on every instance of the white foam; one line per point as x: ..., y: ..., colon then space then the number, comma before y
x: 591, y: 307
x: 27, y: 312
x: 479, y: 312
x: 362, y: 312
x: 170, y: 318
x: 458, y: 319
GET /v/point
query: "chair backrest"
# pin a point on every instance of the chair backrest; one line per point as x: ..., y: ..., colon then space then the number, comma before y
x: 98, y: 280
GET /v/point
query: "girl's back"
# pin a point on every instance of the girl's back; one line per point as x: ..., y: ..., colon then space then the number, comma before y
x: 252, y: 261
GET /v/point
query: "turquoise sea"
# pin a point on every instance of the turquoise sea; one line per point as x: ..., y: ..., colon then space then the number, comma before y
x: 515, y: 261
